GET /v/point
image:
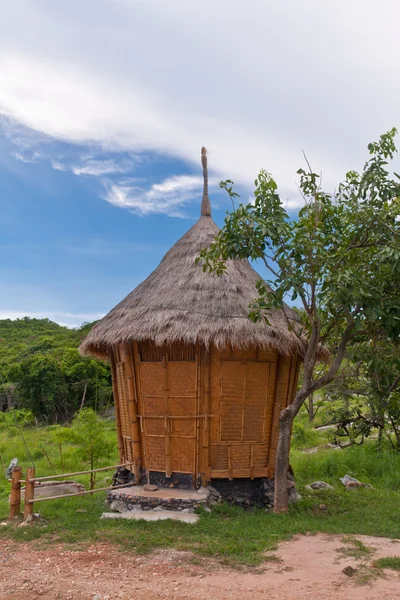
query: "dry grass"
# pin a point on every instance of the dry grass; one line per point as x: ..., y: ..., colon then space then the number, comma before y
x: 178, y: 302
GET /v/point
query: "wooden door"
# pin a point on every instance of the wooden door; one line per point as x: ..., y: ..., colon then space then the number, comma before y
x: 168, y: 402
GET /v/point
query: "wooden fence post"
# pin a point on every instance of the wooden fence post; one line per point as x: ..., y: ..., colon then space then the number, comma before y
x: 15, y: 496
x: 29, y: 494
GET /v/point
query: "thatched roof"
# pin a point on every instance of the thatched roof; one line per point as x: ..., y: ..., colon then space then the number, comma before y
x: 179, y: 302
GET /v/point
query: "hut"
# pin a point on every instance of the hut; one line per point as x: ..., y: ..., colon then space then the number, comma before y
x: 198, y: 387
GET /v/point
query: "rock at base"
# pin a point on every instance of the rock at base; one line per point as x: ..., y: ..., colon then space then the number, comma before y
x: 319, y: 485
x: 150, y: 487
x: 350, y: 483
x: 153, y: 515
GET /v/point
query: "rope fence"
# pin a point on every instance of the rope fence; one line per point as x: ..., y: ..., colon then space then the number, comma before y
x: 30, y: 480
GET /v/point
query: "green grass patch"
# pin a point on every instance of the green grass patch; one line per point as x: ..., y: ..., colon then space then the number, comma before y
x: 355, y: 548
x: 228, y: 533
x: 388, y: 562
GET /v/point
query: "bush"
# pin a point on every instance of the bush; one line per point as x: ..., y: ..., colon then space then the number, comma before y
x: 16, y: 418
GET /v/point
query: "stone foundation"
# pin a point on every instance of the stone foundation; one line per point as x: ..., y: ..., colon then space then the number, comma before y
x: 252, y: 492
x: 177, y: 493
x: 137, y: 498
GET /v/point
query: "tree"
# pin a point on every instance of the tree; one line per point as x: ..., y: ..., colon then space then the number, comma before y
x: 340, y: 258
x: 89, y: 435
x: 367, y: 393
x: 41, y: 370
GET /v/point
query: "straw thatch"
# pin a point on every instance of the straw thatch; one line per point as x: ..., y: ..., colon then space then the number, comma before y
x: 179, y: 302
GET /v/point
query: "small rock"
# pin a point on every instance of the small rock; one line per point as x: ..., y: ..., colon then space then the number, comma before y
x: 150, y: 487
x: 323, y: 507
x: 319, y: 485
x: 351, y: 483
x: 294, y: 496
x: 3, y: 524
x: 349, y: 571
x: 207, y: 509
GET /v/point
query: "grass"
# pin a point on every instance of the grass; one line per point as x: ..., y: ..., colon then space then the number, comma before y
x: 228, y: 533
x: 355, y: 548
x: 388, y: 562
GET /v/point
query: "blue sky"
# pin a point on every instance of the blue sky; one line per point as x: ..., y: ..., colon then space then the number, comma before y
x: 105, y: 104
x: 68, y: 250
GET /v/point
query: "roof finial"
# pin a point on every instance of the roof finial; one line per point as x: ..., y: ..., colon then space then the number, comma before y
x: 205, y: 204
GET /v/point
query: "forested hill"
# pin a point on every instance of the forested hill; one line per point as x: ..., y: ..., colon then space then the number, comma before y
x: 41, y: 370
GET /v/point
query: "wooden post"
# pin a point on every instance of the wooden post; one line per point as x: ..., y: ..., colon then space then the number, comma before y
x: 29, y: 494
x: 198, y: 469
x: 15, y: 496
x: 132, y: 410
x: 205, y: 368
x: 111, y: 358
x: 168, y: 458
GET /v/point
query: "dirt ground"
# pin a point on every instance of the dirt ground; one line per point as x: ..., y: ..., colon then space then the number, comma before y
x: 306, y: 567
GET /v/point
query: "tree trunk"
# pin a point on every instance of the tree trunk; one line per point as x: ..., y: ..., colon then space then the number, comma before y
x: 311, y: 413
x: 282, y: 461
x: 92, y: 475
x: 84, y: 396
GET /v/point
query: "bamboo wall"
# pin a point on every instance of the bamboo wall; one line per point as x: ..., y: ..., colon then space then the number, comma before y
x: 184, y: 409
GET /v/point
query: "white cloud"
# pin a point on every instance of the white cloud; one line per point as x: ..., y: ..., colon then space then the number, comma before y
x: 256, y: 83
x: 32, y: 158
x: 167, y: 197
x: 93, y: 166
x: 58, y: 166
x: 101, y: 167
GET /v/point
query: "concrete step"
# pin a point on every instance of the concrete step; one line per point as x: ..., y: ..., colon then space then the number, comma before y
x: 136, y: 497
x: 152, y: 515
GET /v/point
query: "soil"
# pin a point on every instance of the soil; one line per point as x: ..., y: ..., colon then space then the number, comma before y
x: 306, y: 567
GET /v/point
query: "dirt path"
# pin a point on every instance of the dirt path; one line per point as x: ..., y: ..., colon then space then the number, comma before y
x: 310, y: 567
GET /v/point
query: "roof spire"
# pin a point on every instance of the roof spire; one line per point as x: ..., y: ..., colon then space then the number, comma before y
x: 205, y: 204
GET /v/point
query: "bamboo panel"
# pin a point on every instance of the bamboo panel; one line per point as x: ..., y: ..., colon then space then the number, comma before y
x: 243, y: 474
x: 204, y: 406
x: 122, y: 400
x: 241, y: 457
x: 183, y: 455
x: 127, y: 443
x: 149, y: 352
x: 152, y: 379
x: 260, y: 455
x: 244, y: 355
x: 214, y: 396
x: 136, y: 364
x: 267, y: 355
x: 182, y: 378
x: 255, y: 401
x: 219, y: 457
x: 155, y: 453
x: 168, y: 389
x: 231, y: 406
x: 183, y: 407
x: 244, y: 400
x: 131, y: 396
x: 116, y: 404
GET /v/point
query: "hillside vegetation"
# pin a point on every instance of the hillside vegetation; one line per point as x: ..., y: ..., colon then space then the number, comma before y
x: 42, y: 371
